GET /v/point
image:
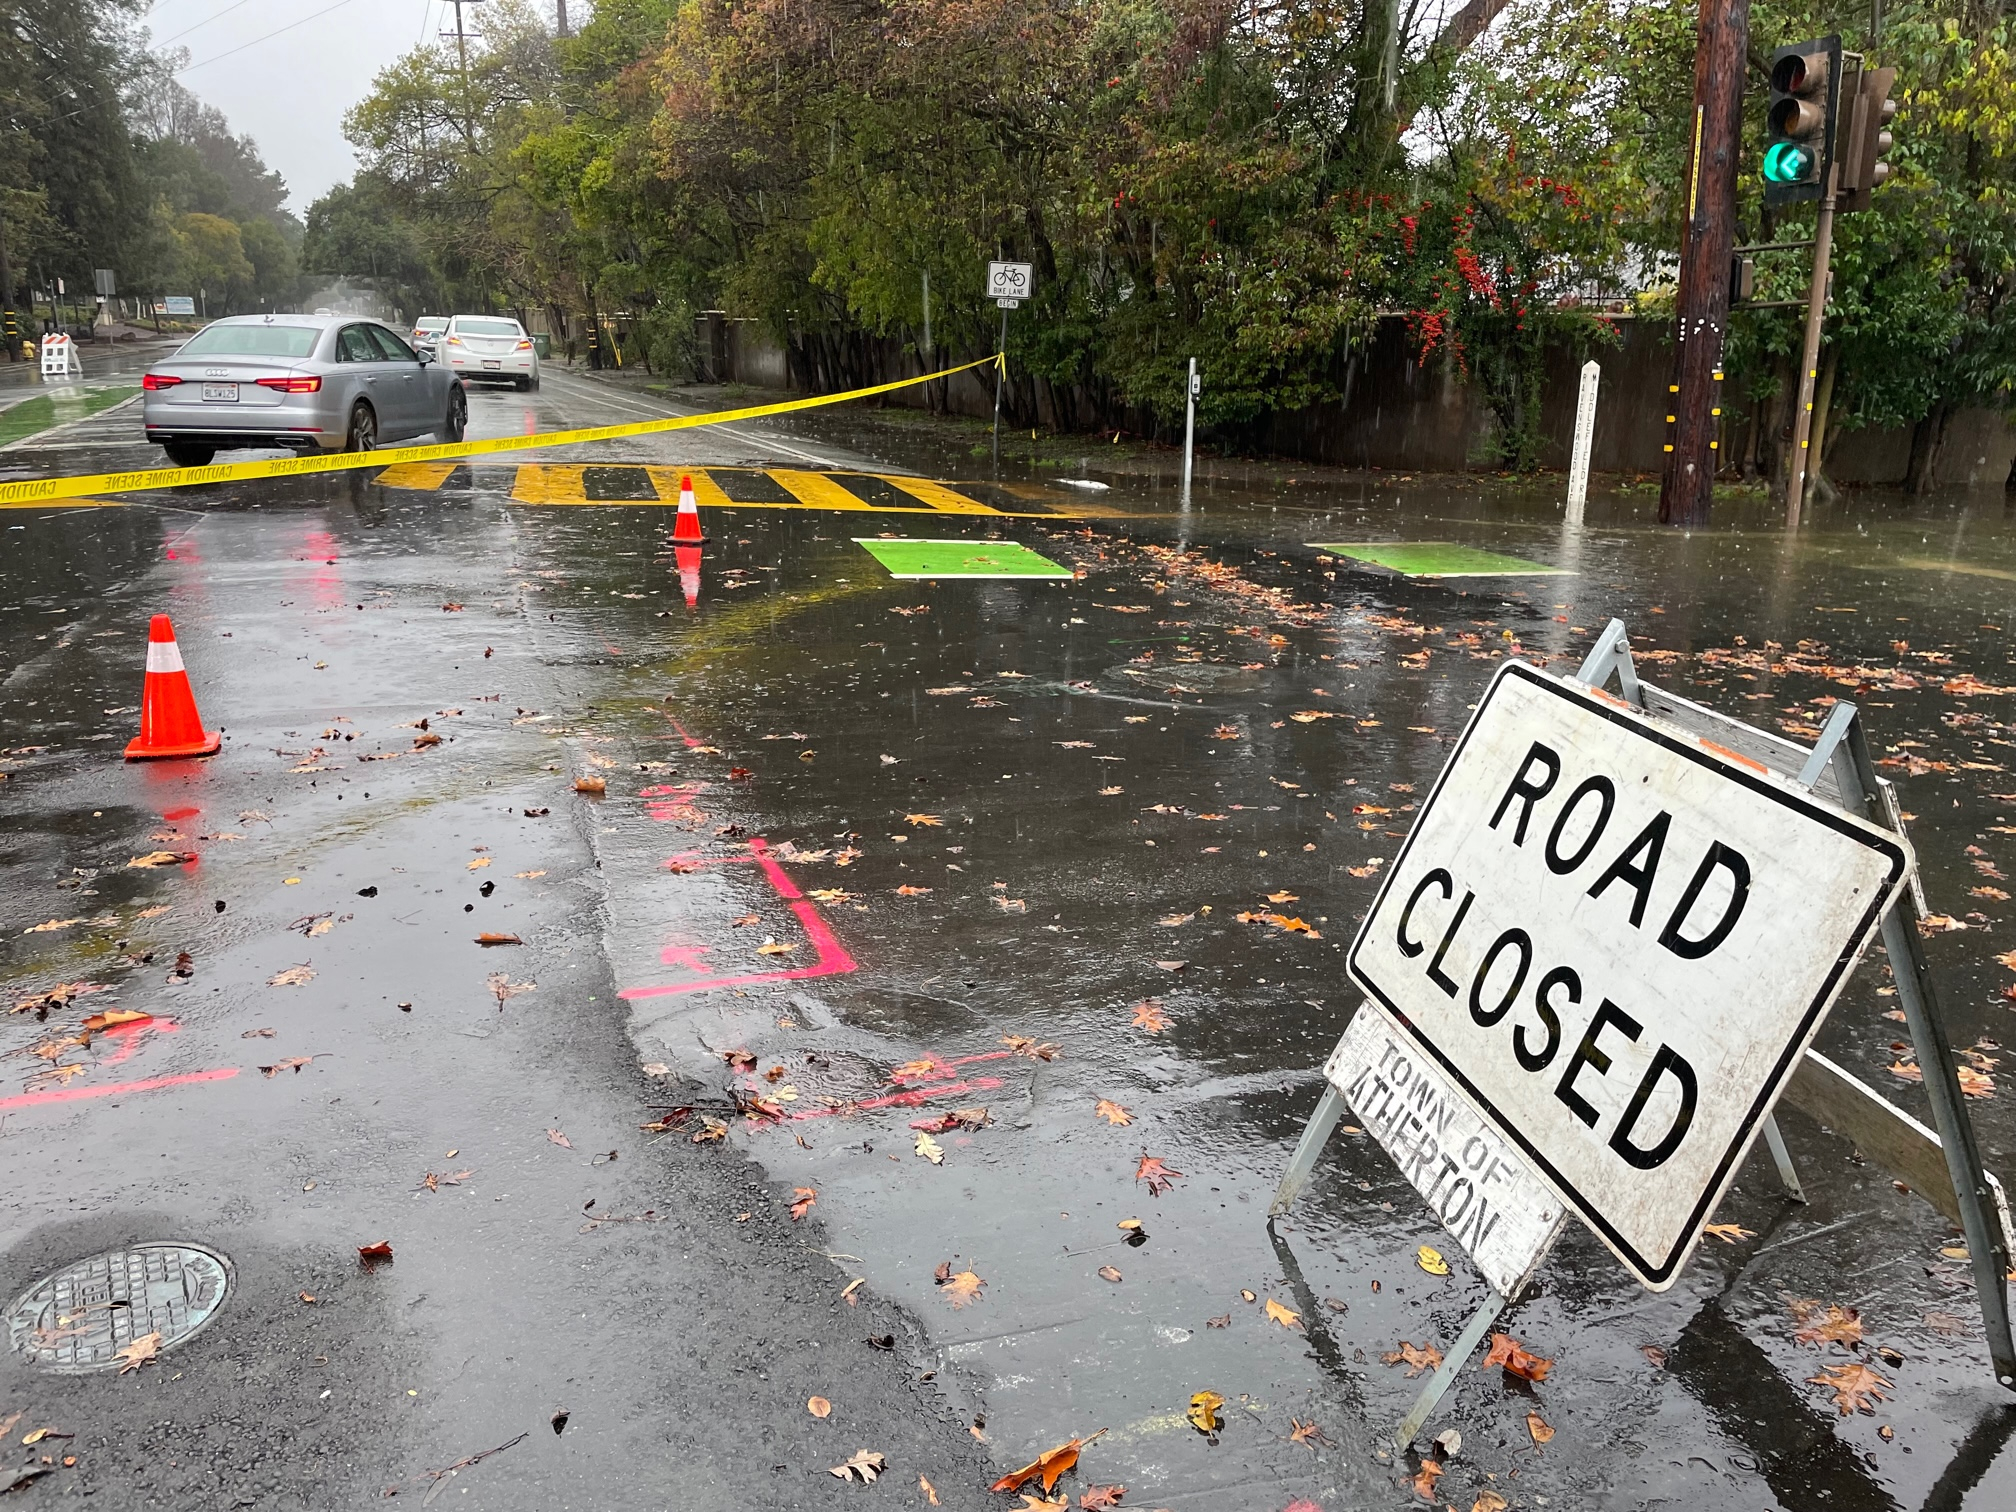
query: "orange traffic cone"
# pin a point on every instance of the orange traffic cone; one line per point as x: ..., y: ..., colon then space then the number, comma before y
x: 169, y: 723
x: 688, y: 560
x: 686, y: 530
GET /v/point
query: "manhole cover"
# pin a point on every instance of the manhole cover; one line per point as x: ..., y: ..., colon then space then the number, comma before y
x: 81, y: 1317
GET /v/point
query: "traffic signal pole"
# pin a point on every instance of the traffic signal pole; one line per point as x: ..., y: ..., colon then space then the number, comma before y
x: 1701, y: 308
x: 1809, y: 356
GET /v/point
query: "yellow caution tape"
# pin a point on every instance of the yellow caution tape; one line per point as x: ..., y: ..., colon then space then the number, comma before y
x: 46, y: 490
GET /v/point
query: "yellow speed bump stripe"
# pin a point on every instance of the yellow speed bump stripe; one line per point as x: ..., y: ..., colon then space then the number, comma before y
x: 545, y: 483
x: 44, y: 490
x: 665, y: 480
x: 569, y: 483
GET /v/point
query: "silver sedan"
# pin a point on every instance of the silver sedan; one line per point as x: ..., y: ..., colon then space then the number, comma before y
x: 307, y: 383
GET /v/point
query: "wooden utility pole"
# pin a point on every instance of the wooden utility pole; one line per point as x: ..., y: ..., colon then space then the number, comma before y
x: 1694, y: 397
x: 10, y: 333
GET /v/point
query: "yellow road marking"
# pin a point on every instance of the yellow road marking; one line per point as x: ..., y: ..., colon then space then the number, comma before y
x: 415, y: 475
x: 544, y: 483
x: 818, y: 490
x: 566, y: 483
x: 937, y: 495
x: 706, y: 491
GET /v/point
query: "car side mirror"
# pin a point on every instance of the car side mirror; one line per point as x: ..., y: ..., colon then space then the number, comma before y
x: 424, y: 355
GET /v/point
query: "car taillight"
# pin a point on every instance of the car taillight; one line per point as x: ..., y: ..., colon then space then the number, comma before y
x: 153, y: 381
x: 292, y: 385
x: 524, y: 346
x: 453, y: 340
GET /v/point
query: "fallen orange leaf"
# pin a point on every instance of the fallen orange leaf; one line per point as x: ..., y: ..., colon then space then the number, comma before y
x: 1856, y: 1387
x: 1048, y: 1465
x: 1160, y: 1178
x: 113, y: 1016
x: 1505, y: 1351
x: 1833, y: 1324
x: 142, y: 1351
x: 1286, y: 1317
x: 961, y: 1288
x: 1113, y: 1113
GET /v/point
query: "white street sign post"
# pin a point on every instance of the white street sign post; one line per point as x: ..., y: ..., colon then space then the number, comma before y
x: 1618, y: 942
x: 1008, y: 284
x: 1191, y: 389
x: 1585, y: 436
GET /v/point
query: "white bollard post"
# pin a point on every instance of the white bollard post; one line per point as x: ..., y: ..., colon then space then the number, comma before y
x: 1585, y: 435
x: 1190, y: 390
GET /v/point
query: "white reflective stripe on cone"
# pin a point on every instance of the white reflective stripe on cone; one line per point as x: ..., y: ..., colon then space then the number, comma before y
x: 164, y: 656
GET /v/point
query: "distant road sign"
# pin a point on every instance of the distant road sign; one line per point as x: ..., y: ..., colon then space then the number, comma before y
x: 180, y: 304
x: 1618, y: 940
x: 1010, y: 280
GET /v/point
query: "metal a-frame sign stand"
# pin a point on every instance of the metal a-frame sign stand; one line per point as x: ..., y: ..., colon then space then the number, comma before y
x: 1940, y: 1164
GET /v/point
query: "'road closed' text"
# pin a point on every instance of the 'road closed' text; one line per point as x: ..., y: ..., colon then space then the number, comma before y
x: 1616, y: 942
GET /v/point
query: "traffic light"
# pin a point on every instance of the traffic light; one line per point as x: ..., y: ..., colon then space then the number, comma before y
x: 1799, y: 124
x: 1862, y: 165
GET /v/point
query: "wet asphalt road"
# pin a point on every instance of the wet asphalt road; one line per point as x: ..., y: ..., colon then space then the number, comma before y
x: 1015, y: 808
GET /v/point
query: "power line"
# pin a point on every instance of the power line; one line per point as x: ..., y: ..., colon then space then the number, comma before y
x: 219, y: 16
x: 220, y: 57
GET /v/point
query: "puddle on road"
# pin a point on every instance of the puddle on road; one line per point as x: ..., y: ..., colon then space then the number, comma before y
x: 1025, y: 809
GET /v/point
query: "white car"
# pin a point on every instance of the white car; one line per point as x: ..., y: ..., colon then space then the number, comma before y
x: 427, y: 331
x: 491, y: 347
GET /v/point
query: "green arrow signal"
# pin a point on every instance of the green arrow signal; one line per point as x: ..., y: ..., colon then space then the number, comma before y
x: 1788, y: 163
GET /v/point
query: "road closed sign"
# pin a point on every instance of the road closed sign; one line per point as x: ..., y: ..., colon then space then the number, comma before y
x: 1616, y: 941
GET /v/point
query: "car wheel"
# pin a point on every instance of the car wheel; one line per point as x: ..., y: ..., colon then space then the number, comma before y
x: 533, y: 382
x: 523, y: 385
x: 458, y: 415
x: 189, y: 456
x: 362, y: 436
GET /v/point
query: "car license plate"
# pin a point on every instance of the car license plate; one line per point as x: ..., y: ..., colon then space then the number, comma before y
x: 220, y: 393
x: 492, y: 362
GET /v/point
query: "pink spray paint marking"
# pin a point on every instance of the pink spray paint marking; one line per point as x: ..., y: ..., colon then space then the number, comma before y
x: 833, y: 957
x: 127, y: 1039
x: 692, y: 741
x: 673, y: 803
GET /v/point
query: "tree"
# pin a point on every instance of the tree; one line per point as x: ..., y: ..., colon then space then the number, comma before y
x: 210, y: 257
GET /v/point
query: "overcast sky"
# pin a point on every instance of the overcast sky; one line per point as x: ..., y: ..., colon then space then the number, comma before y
x: 284, y: 71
